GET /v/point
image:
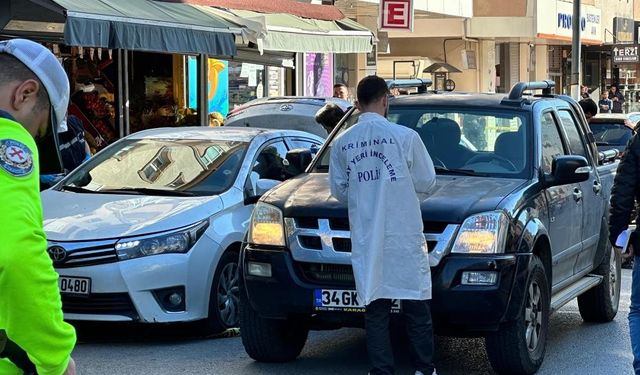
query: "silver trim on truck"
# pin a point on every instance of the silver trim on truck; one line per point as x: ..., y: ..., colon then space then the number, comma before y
x: 320, y: 243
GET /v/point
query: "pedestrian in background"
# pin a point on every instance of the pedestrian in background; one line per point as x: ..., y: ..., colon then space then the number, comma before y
x: 624, y: 196
x: 34, y: 95
x: 383, y: 172
x: 340, y: 90
x: 329, y: 116
x: 618, y: 99
x: 605, y: 104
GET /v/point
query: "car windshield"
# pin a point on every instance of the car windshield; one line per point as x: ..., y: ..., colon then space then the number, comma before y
x: 607, y: 133
x: 160, y: 167
x: 463, y: 142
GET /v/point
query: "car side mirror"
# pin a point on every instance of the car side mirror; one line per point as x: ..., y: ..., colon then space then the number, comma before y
x: 262, y: 186
x: 297, y: 161
x: 568, y: 170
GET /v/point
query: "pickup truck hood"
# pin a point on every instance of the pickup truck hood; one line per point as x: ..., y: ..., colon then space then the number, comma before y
x: 80, y: 217
x: 453, y: 200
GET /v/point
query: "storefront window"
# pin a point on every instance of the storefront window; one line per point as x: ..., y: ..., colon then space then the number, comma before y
x: 246, y: 83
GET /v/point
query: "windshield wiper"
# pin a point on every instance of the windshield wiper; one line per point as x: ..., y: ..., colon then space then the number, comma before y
x: 148, y: 191
x: 460, y: 172
x: 78, y: 189
x: 603, y: 144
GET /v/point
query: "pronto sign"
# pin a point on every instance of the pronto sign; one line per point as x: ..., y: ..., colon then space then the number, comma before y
x: 554, y: 21
x: 396, y: 15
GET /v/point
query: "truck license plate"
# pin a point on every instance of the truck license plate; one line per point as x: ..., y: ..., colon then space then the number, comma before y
x: 80, y: 286
x: 342, y: 300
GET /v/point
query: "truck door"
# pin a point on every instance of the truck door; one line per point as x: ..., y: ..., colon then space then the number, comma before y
x: 564, y: 204
x: 590, y: 190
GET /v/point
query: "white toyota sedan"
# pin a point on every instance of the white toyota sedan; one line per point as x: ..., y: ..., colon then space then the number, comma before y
x: 149, y: 229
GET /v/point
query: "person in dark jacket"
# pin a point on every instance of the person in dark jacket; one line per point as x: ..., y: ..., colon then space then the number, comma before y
x: 625, y: 193
x: 618, y: 99
x: 589, y: 107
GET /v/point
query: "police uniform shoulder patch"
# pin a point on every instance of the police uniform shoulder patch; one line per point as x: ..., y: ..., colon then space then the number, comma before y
x: 15, y: 158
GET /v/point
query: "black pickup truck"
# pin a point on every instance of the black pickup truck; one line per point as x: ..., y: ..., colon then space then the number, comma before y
x: 516, y: 228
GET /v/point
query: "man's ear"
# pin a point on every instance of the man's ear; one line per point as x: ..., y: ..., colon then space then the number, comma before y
x: 357, y: 105
x: 26, y: 93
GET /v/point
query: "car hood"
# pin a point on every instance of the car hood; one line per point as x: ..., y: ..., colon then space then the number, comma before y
x: 79, y: 217
x: 453, y: 200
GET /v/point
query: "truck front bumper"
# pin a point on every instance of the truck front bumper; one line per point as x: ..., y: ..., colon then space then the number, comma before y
x: 461, y: 310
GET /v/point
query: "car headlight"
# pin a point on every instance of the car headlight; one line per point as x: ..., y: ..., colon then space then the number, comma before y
x: 267, y: 227
x: 178, y: 241
x: 483, y: 233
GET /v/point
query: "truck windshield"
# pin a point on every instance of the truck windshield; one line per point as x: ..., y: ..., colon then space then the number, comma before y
x: 160, y: 167
x: 470, y: 142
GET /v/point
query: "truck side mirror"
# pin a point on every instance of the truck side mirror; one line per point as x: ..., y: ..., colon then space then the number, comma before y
x: 297, y: 161
x: 568, y: 170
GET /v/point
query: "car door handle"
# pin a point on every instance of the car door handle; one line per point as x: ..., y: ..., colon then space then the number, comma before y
x: 577, y: 194
x: 597, y: 187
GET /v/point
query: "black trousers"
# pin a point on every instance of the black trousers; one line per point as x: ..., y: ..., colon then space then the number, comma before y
x: 419, y: 329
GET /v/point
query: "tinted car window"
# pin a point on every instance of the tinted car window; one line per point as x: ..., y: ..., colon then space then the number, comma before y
x: 269, y: 163
x: 551, y: 141
x: 611, y: 134
x: 573, y: 136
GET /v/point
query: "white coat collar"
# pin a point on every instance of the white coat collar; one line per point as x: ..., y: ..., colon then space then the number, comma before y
x: 371, y: 116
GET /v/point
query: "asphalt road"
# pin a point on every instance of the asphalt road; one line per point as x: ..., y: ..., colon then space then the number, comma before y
x: 574, y: 347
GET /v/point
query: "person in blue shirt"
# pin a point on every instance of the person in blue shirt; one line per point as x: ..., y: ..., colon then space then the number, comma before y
x: 605, y: 104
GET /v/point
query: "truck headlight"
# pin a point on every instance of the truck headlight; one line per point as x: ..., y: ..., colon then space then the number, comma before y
x: 178, y: 241
x: 484, y: 233
x: 267, y: 226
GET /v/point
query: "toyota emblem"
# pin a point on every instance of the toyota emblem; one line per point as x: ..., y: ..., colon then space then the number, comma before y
x: 57, y: 254
x: 286, y: 107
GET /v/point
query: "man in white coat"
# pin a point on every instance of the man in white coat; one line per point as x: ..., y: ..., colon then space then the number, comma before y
x: 383, y: 171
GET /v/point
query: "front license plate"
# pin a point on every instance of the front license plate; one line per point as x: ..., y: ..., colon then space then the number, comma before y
x: 342, y: 300
x: 79, y: 286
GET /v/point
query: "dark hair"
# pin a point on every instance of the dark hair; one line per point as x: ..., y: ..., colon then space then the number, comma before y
x: 339, y: 85
x: 589, y: 106
x: 12, y: 69
x: 370, y: 89
x: 329, y: 116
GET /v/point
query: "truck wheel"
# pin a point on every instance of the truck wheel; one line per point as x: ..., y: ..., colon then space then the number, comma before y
x: 270, y: 340
x: 519, y: 346
x: 224, y: 299
x: 600, y: 304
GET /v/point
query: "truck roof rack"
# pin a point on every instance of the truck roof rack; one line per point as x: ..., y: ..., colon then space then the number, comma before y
x: 517, y: 91
x: 421, y: 84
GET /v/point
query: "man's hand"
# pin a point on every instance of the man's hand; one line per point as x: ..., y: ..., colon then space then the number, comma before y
x: 628, y: 254
x: 71, y: 368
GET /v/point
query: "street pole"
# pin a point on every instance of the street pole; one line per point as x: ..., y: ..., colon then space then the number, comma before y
x: 575, y: 53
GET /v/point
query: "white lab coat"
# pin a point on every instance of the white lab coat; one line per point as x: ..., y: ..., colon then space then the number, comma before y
x: 383, y: 171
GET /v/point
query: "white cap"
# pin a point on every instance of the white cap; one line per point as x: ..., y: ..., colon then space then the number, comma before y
x: 48, y: 69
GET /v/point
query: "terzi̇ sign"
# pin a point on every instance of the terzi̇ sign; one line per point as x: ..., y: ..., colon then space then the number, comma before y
x: 625, y: 54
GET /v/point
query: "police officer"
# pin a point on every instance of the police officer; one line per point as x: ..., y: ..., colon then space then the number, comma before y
x: 34, y: 94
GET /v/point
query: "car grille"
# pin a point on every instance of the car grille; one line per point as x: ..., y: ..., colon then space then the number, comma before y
x: 78, y: 254
x: 100, y: 303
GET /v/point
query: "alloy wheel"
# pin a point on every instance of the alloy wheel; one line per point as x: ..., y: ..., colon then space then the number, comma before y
x: 533, y: 316
x: 229, y: 295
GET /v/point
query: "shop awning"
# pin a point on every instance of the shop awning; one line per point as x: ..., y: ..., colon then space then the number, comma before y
x: 142, y: 25
x: 293, y: 32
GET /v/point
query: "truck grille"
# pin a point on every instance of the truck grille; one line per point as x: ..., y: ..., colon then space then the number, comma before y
x: 78, y: 254
x: 101, y: 304
x: 328, y: 241
x: 328, y: 274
